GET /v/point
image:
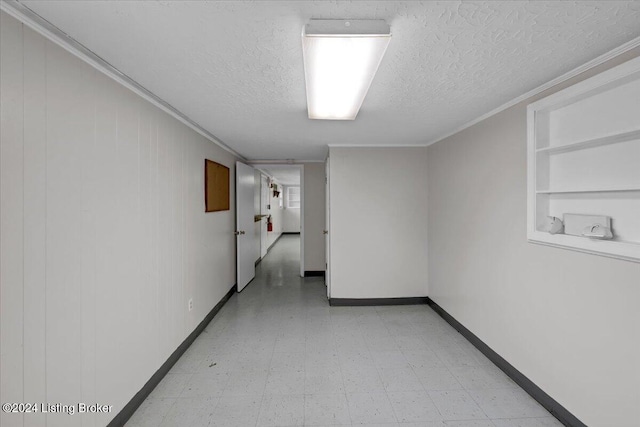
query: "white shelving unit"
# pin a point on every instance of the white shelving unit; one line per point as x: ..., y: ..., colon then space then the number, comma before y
x: 584, y: 158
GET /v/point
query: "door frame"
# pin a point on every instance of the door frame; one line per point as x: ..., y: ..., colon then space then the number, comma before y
x: 264, y: 196
x: 327, y: 221
x: 301, y: 220
x: 275, y: 163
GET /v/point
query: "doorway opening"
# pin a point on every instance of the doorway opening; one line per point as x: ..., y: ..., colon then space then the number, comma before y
x: 279, y: 207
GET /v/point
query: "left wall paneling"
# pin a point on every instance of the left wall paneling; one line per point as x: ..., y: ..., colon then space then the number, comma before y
x: 104, y: 233
x: 11, y: 218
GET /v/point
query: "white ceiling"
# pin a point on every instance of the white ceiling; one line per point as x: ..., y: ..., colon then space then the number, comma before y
x: 283, y: 174
x: 236, y: 67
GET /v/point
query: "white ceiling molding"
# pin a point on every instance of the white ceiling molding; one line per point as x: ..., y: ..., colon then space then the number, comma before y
x: 43, y: 27
x: 558, y: 80
x: 284, y: 162
x: 566, y: 76
x: 284, y: 174
x: 450, y: 63
x: 375, y: 145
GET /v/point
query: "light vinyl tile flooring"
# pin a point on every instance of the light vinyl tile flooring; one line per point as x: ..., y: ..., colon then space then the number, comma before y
x: 278, y: 355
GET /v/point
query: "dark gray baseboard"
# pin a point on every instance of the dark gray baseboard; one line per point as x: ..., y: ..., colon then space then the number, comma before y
x: 274, y: 242
x: 377, y: 301
x: 261, y: 258
x: 290, y: 232
x: 549, y: 403
x: 123, y: 416
x: 313, y: 273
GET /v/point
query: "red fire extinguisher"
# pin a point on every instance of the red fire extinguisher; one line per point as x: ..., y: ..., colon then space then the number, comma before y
x: 269, y: 224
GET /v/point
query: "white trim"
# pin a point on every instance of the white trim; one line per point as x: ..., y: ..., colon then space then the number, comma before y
x: 605, y: 248
x: 261, y: 166
x: 564, y: 77
x: 558, y: 80
x: 46, y: 29
x: 282, y: 162
x: 562, y: 98
x: 302, y: 210
x: 327, y: 225
x: 375, y: 146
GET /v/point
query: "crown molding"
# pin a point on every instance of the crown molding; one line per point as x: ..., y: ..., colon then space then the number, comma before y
x: 558, y: 80
x: 376, y: 145
x: 564, y: 77
x: 53, y: 33
x: 46, y: 29
x: 282, y: 162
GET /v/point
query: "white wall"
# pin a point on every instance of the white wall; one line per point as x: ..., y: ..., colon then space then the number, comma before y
x: 276, y: 213
x: 567, y: 320
x: 290, y: 216
x: 378, y: 222
x: 104, y: 234
x: 314, y: 216
x: 264, y: 201
x: 257, y: 204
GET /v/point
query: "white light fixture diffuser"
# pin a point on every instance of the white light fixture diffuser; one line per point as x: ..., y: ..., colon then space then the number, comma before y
x: 341, y: 58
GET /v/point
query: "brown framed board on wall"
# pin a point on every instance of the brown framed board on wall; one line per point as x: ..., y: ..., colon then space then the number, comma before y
x: 216, y: 186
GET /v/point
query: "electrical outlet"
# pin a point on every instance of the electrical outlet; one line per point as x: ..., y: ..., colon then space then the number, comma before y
x: 190, y: 304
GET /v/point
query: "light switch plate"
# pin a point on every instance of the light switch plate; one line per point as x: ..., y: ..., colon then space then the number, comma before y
x: 574, y: 224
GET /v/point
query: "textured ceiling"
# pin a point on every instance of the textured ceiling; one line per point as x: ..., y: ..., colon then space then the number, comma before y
x: 285, y: 175
x: 236, y: 67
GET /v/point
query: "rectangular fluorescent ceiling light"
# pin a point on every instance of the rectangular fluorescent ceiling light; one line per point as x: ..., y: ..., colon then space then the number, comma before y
x: 341, y: 58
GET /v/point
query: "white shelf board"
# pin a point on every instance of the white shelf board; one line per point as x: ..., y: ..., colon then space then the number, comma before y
x: 591, y: 143
x: 628, y: 251
x: 589, y: 190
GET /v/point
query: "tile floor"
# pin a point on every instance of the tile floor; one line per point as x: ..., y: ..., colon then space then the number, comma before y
x: 278, y: 355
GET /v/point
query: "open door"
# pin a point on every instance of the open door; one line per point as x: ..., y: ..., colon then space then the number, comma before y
x: 245, y: 236
x: 327, y: 235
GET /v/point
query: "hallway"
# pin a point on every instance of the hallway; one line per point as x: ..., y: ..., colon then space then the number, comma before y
x: 278, y: 355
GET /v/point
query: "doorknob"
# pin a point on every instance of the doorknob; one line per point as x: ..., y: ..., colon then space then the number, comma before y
x: 325, y: 231
x: 239, y: 232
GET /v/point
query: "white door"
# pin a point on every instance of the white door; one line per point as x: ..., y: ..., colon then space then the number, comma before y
x: 245, y: 236
x: 264, y: 201
x: 327, y: 235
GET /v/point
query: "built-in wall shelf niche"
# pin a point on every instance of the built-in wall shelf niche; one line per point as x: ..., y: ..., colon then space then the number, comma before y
x: 584, y: 158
